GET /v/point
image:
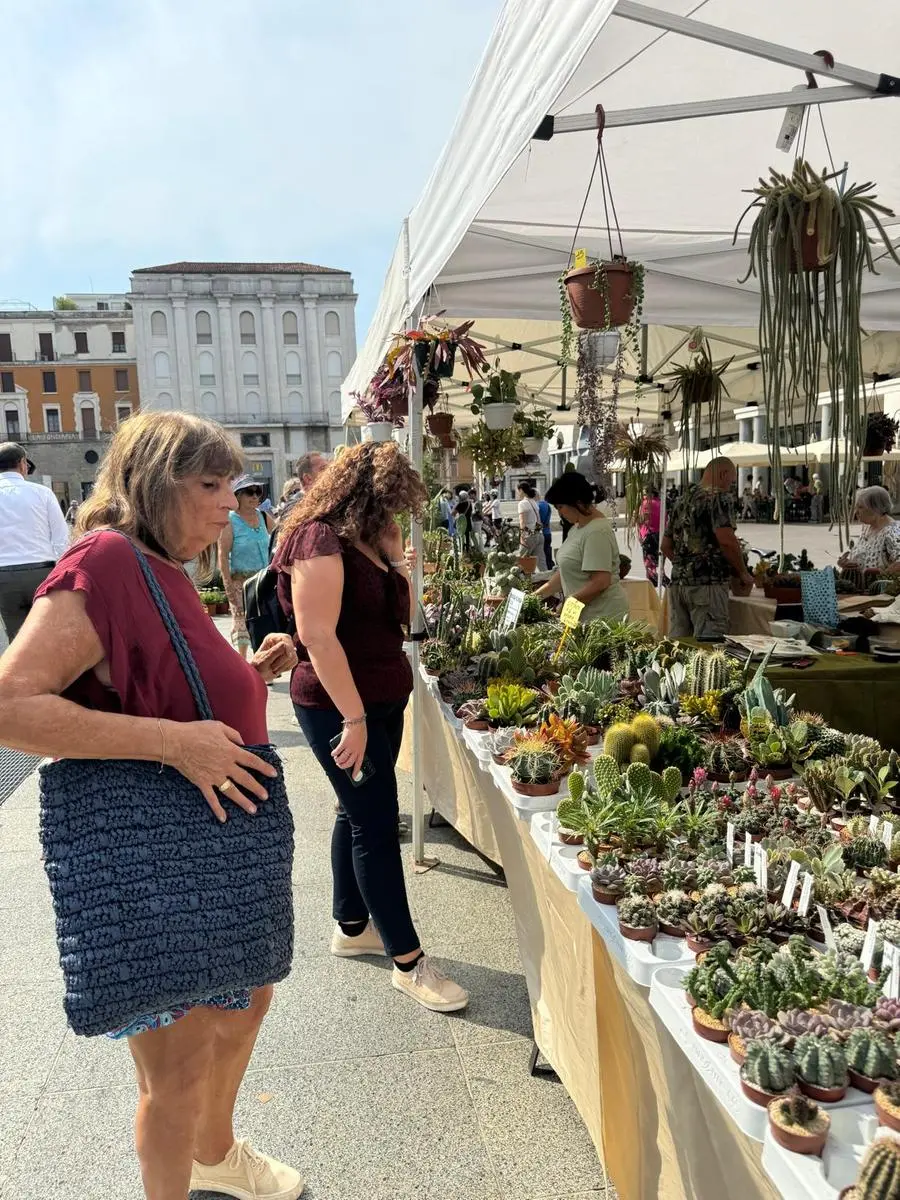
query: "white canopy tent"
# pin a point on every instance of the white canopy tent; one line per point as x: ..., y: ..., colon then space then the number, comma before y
x: 500, y: 213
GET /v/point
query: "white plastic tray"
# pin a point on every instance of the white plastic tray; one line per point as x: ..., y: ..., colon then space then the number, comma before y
x: 640, y: 959
x: 563, y: 859
x: 806, y: 1177
x: 479, y: 743
x: 525, y: 806
x: 714, y: 1063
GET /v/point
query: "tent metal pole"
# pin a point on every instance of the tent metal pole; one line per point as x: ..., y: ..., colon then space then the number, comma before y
x: 759, y: 48
x: 725, y: 106
x: 660, y: 566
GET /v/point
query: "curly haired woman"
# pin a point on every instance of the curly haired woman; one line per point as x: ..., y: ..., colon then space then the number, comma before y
x: 342, y: 570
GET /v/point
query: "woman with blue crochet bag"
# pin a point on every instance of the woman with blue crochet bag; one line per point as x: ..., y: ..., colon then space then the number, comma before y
x: 166, y: 830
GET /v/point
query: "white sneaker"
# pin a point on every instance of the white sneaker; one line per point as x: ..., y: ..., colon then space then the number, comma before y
x: 248, y: 1175
x: 368, y: 942
x: 433, y: 990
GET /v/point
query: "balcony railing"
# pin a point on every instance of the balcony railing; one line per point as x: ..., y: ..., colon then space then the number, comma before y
x: 85, y: 435
x: 274, y: 418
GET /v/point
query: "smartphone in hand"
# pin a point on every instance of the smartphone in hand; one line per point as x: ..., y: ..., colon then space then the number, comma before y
x: 366, y: 771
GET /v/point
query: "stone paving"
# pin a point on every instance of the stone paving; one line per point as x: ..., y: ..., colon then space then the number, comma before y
x: 370, y: 1096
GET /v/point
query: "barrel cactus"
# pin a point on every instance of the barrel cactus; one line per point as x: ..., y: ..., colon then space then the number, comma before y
x: 865, y: 851
x: 618, y: 743
x: 639, y: 754
x: 646, y: 732
x: 879, y: 1176
x: 821, y: 1061
x: 673, y: 907
x: 768, y: 1067
x: 725, y: 756
x: 871, y: 1054
x: 637, y: 912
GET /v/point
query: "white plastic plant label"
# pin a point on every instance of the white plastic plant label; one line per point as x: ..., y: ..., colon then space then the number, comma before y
x: 729, y: 841
x: 790, y: 885
x: 806, y: 893
x: 887, y: 834
x: 873, y: 824
x: 514, y: 602
x: 868, y: 951
x: 891, y: 958
x: 826, y: 926
x: 761, y: 866
x: 748, y: 850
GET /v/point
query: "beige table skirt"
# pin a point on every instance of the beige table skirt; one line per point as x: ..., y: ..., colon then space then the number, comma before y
x: 746, y: 614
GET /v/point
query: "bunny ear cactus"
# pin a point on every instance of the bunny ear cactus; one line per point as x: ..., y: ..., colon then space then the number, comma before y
x: 821, y: 1061
x: 671, y: 779
x: 607, y: 776
x: 768, y: 1067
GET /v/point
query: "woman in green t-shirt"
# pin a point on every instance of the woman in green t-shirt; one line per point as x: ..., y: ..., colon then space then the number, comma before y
x: 588, y: 560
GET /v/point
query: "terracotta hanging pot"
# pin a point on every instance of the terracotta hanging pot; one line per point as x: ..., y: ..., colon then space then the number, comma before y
x: 809, y: 245
x: 606, y: 306
x: 440, y: 424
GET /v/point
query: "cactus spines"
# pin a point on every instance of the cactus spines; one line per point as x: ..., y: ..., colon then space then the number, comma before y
x: 674, y: 906
x: 646, y: 732
x: 725, y: 757
x: 820, y: 1061
x: 768, y: 1067
x: 577, y: 786
x: 636, y: 911
x: 879, y: 1176
x: 639, y: 777
x: 865, y: 851
x: 640, y: 753
x: 607, y: 776
x: 871, y: 1054
x: 671, y: 778
x: 618, y: 743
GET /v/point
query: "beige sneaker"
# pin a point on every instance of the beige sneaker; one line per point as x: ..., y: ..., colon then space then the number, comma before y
x: 433, y: 990
x: 368, y: 942
x: 248, y: 1175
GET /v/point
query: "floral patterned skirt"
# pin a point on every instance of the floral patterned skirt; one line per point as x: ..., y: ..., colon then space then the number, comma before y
x: 236, y: 1001
x: 235, y: 593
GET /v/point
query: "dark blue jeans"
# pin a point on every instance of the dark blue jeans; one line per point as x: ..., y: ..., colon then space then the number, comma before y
x: 365, y: 850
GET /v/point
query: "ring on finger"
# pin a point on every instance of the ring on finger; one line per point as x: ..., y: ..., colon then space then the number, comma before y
x: 223, y: 787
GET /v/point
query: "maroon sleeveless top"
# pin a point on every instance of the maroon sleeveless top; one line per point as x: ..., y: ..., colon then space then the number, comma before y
x: 147, y: 679
x: 374, y: 609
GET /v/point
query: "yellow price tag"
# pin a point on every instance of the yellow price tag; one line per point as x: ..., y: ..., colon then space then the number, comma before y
x: 581, y: 259
x: 571, y: 613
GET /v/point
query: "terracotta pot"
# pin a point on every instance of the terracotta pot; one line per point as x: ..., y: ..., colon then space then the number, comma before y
x: 447, y: 440
x: 222, y: 609
x: 709, y: 1033
x: 212, y: 609
x: 888, y: 1114
x: 697, y: 945
x: 477, y: 726
x: 499, y: 759
x: 799, y: 1143
x: 570, y: 839
x: 691, y: 1002
x: 809, y: 246
x: 739, y: 777
x: 638, y: 933
x: 783, y: 595
x: 536, y: 789
x: 494, y: 601
x: 592, y: 731
x: 528, y: 563
x: 584, y: 861
x: 757, y: 1095
x: 776, y: 773
x: 589, y: 303
x: 737, y: 1047
x: 602, y: 896
x: 822, y: 1095
x: 429, y: 568
x: 862, y: 1082
x: 674, y: 931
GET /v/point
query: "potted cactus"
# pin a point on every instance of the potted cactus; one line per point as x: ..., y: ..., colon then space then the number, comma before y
x: 637, y: 919
x: 725, y: 759
x: 879, y: 1175
x: 702, y: 930
x: 501, y: 742
x: 768, y: 1072
x: 798, y: 1124
x: 821, y: 1068
x: 584, y: 696
x: 536, y: 766
x: 672, y: 910
x: 750, y: 1025
x: 887, y: 1104
x: 871, y: 1059
x: 607, y: 882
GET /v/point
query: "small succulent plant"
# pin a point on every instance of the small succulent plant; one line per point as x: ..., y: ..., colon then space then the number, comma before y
x: 714, y: 901
x: 798, y: 1110
x: 751, y: 893
x: 609, y: 877
x: 713, y: 870
x: 865, y: 851
x: 800, y: 1022
x: 743, y: 874
x: 889, y: 930
x: 887, y: 1015
x: 848, y: 939
x: 643, y: 877
x: 871, y: 1054
x: 710, y: 927
x: 751, y: 1025
x: 637, y: 912
x: 843, y: 1018
x: 673, y: 907
x: 820, y: 1061
x: 768, y: 1067
x: 677, y: 873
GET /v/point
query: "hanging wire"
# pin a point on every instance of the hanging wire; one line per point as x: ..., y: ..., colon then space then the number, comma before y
x: 587, y: 197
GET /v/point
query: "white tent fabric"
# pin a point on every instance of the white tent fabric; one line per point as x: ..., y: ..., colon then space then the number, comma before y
x: 495, y: 224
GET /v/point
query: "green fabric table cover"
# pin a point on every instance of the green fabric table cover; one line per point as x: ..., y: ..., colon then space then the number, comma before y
x: 852, y: 692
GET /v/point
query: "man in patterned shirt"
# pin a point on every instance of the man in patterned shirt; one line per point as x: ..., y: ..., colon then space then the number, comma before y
x: 706, y: 556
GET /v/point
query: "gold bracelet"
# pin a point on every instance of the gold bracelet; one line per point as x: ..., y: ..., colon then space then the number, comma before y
x: 162, y: 734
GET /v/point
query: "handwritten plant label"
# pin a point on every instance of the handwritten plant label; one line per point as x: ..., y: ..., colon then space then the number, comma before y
x: 873, y: 824
x: 570, y: 616
x: 790, y: 885
x: 887, y: 834
x: 514, y: 602
x: 891, y: 958
x: 826, y: 926
x: 748, y: 850
x: 729, y: 841
x: 581, y: 259
x: 805, y: 894
x: 868, y: 951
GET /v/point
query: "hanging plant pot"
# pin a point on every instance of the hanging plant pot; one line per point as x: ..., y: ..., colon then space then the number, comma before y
x: 605, y: 306
x: 874, y: 447
x: 377, y: 431
x: 441, y: 370
x: 499, y: 416
x: 440, y: 424
x: 809, y: 244
x: 533, y: 445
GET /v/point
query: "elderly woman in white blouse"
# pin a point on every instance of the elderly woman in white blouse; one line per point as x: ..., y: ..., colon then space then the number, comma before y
x: 878, y: 547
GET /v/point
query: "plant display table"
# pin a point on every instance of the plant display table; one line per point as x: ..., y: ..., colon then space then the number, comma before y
x: 852, y: 692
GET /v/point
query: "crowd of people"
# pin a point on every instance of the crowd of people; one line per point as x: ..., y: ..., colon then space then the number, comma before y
x: 94, y: 672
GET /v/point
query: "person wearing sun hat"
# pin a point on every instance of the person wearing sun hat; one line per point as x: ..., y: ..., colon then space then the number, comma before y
x: 243, y: 551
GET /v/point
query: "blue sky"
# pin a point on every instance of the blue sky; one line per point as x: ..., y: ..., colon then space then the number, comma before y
x: 159, y: 130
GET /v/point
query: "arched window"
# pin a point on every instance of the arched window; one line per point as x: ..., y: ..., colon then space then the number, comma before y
x: 292, y: 367
x: 334, y: 408
x: 295, y: 402
x: 252, y: 402
x: 204, y: 329
x: 209, y: 404
x: 207, y: 369
x: 335, y: 365
x: 166, y: 401
x: 332, y: 325
x: 159, y: 327
x: 161, y: 365
x: 249, y: 369
x: 248, y: 329
x: 290, y: 329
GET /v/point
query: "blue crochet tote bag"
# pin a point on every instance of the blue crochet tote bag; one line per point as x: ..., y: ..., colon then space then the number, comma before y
x: 156, y: 902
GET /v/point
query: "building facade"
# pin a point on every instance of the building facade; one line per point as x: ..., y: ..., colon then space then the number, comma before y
x: 68, y: 376
x: 260, y: 347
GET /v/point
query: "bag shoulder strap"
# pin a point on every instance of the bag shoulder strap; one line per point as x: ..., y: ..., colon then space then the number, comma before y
x: 176, y: 637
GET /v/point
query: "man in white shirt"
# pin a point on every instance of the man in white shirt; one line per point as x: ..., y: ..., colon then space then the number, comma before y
x: 33, y: 535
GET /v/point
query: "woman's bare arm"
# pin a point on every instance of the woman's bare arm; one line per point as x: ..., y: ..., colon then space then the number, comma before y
x: 226, y: 541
